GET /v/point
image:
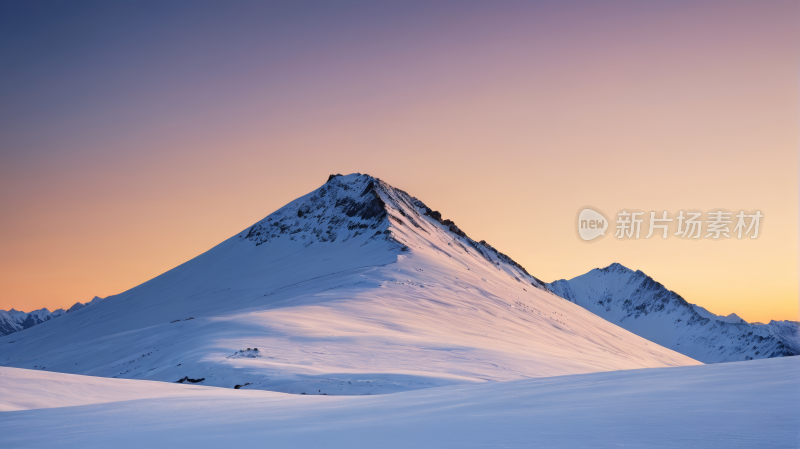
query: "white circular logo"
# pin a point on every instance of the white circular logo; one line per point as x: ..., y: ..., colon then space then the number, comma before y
x: 591, y: 224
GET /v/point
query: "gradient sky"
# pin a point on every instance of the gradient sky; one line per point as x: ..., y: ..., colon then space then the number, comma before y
x: 136, y: 135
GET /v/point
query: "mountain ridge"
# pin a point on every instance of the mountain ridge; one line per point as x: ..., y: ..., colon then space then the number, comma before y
x: 14, y: 320
x: 635, y: 301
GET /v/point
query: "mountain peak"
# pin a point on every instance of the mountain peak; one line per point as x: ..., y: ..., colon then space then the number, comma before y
x: 638, y: 303
x: 363, y: 208
x: 344, y: 207
x: 616, y: 268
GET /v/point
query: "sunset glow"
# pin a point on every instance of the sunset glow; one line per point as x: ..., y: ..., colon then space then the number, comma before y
x: 133, y: 141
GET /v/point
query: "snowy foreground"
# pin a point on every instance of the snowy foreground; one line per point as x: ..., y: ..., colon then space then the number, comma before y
x: 740, y: 404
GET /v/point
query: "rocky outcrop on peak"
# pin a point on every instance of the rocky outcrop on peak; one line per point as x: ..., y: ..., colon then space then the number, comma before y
x: 345, y: 207
x: 360, y: 206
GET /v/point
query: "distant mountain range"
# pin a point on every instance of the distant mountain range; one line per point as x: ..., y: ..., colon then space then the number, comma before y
x: 14, y: 321
x: 634, y: 301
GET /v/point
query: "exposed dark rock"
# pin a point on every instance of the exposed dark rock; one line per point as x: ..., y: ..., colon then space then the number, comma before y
x: 335, y: 213
x: 32, y: 320
x: 186, y: 379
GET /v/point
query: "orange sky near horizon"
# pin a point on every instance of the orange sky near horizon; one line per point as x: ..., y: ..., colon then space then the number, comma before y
x: 124, y: 153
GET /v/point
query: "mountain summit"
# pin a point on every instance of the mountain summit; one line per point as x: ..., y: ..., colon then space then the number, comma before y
x: 347, y: 207
x: 354, y: 288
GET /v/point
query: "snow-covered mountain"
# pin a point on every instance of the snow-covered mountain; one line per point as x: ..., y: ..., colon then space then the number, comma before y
x: 11, y: 321
x: 14, y: 321
x: 354, y: 288
x: 636, y: 302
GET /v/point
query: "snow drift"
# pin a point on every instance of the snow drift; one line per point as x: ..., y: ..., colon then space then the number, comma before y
x: 745, y: 404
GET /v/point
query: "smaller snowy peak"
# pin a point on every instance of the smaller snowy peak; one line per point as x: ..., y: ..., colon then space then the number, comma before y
x: 11, y: 321
x: 8, y: 323
x: 787, y: 331
x: 638, y: 303
x: 734, y: 318
x: 75, y: 307
x: 36, y: 317
x: 17, y: 315
x: 617, y: 268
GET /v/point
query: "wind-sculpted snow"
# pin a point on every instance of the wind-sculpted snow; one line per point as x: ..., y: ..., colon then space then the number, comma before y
x: 643, y: 306
x: 356, y: 288
x: 733, y: 405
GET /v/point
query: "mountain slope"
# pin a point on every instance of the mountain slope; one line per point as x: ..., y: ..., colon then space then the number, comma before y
x: 641, y: 305
x: 354, y: 288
